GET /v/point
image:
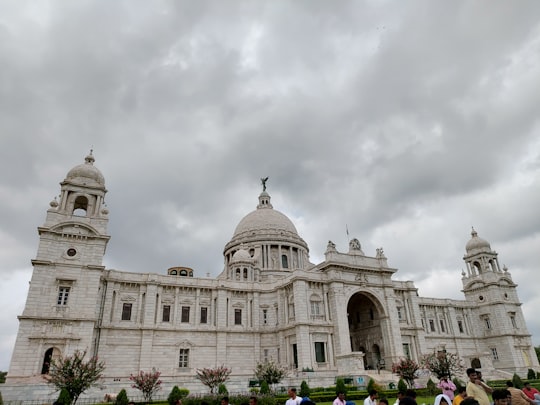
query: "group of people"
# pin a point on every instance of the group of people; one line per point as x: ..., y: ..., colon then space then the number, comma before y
x: 475, y: 393
x: 478, y: 391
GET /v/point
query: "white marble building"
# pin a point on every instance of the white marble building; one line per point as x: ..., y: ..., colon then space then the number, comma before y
x: 343, y: 316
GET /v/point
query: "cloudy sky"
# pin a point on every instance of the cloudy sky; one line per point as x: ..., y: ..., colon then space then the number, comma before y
x: 407, y: 122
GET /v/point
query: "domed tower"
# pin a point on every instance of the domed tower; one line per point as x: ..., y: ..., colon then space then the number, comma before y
x: 267, y: 242
x: 62, y: 309
x: 497, y: 313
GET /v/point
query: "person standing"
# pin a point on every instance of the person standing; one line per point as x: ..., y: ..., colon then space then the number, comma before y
x: 461, y: 395
x: 518, y: 396
x: 372, y: 398
x: 477, y: 389
x: 293, y: 399
x: 447, y: 387
x: 531, y: 392
x: 340, y: 399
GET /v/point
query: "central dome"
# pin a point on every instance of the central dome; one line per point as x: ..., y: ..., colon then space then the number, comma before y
x: 265, y: 219
x: 265, y: 225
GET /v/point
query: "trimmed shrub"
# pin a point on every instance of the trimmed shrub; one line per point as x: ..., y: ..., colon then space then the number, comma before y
x: 174, y: 395
x: 431, y: 387
x: 304, y: 389
x: 122, y: 398
x: 531, y: 374
x: 517, y: 381
x: 222, y: 389
x: 64, y: 398
x: 402, y: 385
x: 265, y: 388
x: 340, y: 386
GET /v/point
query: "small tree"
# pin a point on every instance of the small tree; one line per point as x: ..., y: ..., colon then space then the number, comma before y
x: 304, y: 389
x: 443, y: 364
x: 340, y: 386
x: 74, y: 374
x: 406, y: 369
x: 146, y: 382
x: 531, y: 374
x: 270, y: 372
x: 122, y: 398
x: 212, y: 377
x: 1, y: 400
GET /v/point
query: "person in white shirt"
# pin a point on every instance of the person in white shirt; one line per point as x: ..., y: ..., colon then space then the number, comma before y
x: 372, y: 399
x: 293, y: 399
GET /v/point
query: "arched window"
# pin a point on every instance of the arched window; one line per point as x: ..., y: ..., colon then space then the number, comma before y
x: 174, y: 272
x: 475, y: 363
x: 284, y: 261
x: 245, y: 274
x: 80, y: 206
x: 183, y: 273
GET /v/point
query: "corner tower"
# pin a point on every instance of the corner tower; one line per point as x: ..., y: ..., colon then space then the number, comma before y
x: 62, y: 310
x: 497, y: 318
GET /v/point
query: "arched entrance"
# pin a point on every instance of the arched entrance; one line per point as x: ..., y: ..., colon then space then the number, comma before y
x: 365, y: 329
x: 50, y: 354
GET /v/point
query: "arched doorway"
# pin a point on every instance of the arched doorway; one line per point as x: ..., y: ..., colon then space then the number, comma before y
x: 475, y: 363
x: 50, y: 354
x: 365, y: 332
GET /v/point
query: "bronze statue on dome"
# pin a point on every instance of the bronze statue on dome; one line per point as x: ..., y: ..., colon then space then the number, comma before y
x: 263, y: 182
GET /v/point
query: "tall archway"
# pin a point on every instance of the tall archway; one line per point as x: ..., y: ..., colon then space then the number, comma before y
x: 365, y: 329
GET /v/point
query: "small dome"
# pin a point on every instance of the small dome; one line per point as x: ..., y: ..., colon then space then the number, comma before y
x: 477, y: 243
x: 241, y: 255
x: 86, y: 174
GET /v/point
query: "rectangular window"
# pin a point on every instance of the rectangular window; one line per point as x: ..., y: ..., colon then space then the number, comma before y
x: 238, y: 317
x: 513, y: 320
x: 126, y: 311
x: 460, y: 326
x: 406, y: 350
x: 488, y: 322
x: 494, y: 354
x: 265, y: 316
x: 431, y: 325
x: 63, y: 294
x: 265, y: 355
x: 204, y: 315
x: 315, y: 308
x: 399, y: 314
x: 320, y: 356
x: 441, y: 322
x: 166, y: 317
x: 183, y: 358
x: 185, y: 315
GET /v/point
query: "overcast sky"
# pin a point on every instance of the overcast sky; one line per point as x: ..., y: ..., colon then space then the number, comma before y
x: 407, y: 122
